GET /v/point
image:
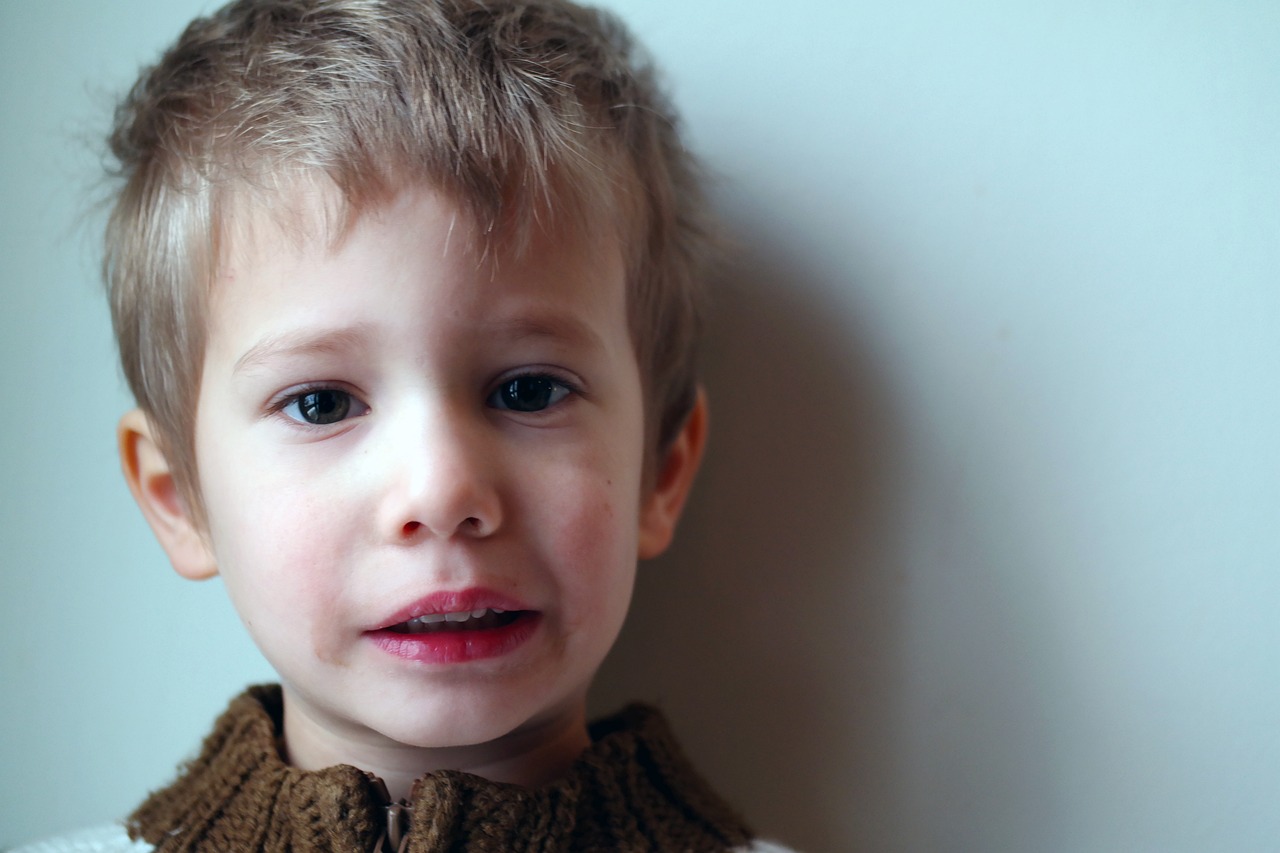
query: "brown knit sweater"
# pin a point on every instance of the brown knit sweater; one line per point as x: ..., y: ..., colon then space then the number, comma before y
x: 632, y: 790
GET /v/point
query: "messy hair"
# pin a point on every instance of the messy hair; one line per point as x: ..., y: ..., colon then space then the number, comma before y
x: 520, y: 111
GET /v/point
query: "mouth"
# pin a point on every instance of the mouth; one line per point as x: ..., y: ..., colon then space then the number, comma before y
x: 484, y: 619
x: 458, y: 627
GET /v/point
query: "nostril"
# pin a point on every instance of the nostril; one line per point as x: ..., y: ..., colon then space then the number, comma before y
x: 469, y: 526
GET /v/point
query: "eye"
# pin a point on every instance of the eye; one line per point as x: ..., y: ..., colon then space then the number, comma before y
x: 531, y: 393
x: 321, y: 406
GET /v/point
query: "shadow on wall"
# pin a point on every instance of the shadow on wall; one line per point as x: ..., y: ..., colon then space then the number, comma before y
x: 770, y: 634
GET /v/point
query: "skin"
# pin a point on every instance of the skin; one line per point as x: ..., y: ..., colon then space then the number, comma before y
x: 429, y: 480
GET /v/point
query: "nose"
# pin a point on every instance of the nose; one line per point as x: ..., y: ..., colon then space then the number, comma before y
x: 442, y: 479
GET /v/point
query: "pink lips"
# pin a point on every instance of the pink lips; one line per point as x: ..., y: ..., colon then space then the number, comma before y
x: 458, y: 644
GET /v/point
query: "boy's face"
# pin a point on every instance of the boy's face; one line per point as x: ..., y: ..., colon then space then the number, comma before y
x: 389, y: 429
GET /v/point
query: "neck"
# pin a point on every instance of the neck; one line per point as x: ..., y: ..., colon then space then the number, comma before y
x: 532, y: 755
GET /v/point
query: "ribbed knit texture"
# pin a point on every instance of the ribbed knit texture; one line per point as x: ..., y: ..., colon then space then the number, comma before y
x: 631, y: 790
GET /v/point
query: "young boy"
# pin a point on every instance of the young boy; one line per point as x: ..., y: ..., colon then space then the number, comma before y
x: 407, y: 293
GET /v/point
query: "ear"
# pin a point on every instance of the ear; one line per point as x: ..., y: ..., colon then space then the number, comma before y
x: 151, y: 480
x: 661, y: 508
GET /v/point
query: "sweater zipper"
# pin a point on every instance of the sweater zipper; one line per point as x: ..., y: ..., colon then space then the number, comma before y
x: 395, y: 837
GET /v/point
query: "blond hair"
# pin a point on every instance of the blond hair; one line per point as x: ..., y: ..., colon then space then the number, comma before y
x: 519, y: 110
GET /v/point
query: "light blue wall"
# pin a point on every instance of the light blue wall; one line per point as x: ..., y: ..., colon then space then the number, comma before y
x: 985, y: 557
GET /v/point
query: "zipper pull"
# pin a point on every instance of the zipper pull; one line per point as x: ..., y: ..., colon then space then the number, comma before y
x: 394, y: 838
x: 397, y: 825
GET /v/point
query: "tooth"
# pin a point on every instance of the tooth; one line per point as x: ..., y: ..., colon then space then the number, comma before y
x: 457, y: 617
x: 430, y: 618
x: 476, y: 614
x: 497, y: 611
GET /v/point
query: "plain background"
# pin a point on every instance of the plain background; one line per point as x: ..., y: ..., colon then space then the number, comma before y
x: 985, y: 554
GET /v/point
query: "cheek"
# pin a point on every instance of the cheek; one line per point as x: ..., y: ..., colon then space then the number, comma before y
x: 593, y: 554
x: 278, y: 555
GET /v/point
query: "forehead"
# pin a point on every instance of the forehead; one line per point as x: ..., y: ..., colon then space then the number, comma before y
x: 303, y: 204
x: 307, y: 213
x: 304, y: 258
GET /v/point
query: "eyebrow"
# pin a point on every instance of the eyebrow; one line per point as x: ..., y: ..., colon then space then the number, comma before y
x: 347, y: 339
x: 302, y: 343
x: 562, y: 327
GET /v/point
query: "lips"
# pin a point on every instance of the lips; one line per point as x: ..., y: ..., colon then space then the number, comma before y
x: 457, y: 627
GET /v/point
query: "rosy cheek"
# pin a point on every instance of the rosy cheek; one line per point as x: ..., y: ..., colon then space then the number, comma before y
x: 309, y: 599
x: 589, y: 532
x: 597, y: 563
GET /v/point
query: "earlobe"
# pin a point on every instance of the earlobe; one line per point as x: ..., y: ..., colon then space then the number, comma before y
x: 660, y: 510
x: 151, y: 480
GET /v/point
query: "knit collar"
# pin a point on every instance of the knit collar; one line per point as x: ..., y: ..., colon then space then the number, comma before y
x: 631, y: 790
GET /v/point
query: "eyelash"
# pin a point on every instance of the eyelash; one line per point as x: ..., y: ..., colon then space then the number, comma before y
x: 296, y: 398
x: 554, y: 387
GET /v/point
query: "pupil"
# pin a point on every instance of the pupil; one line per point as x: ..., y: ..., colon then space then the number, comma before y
x: 324, y: 407
x: 528, y: 394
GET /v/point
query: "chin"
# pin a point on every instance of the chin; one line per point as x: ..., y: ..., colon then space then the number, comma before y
x: 473, y: 720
